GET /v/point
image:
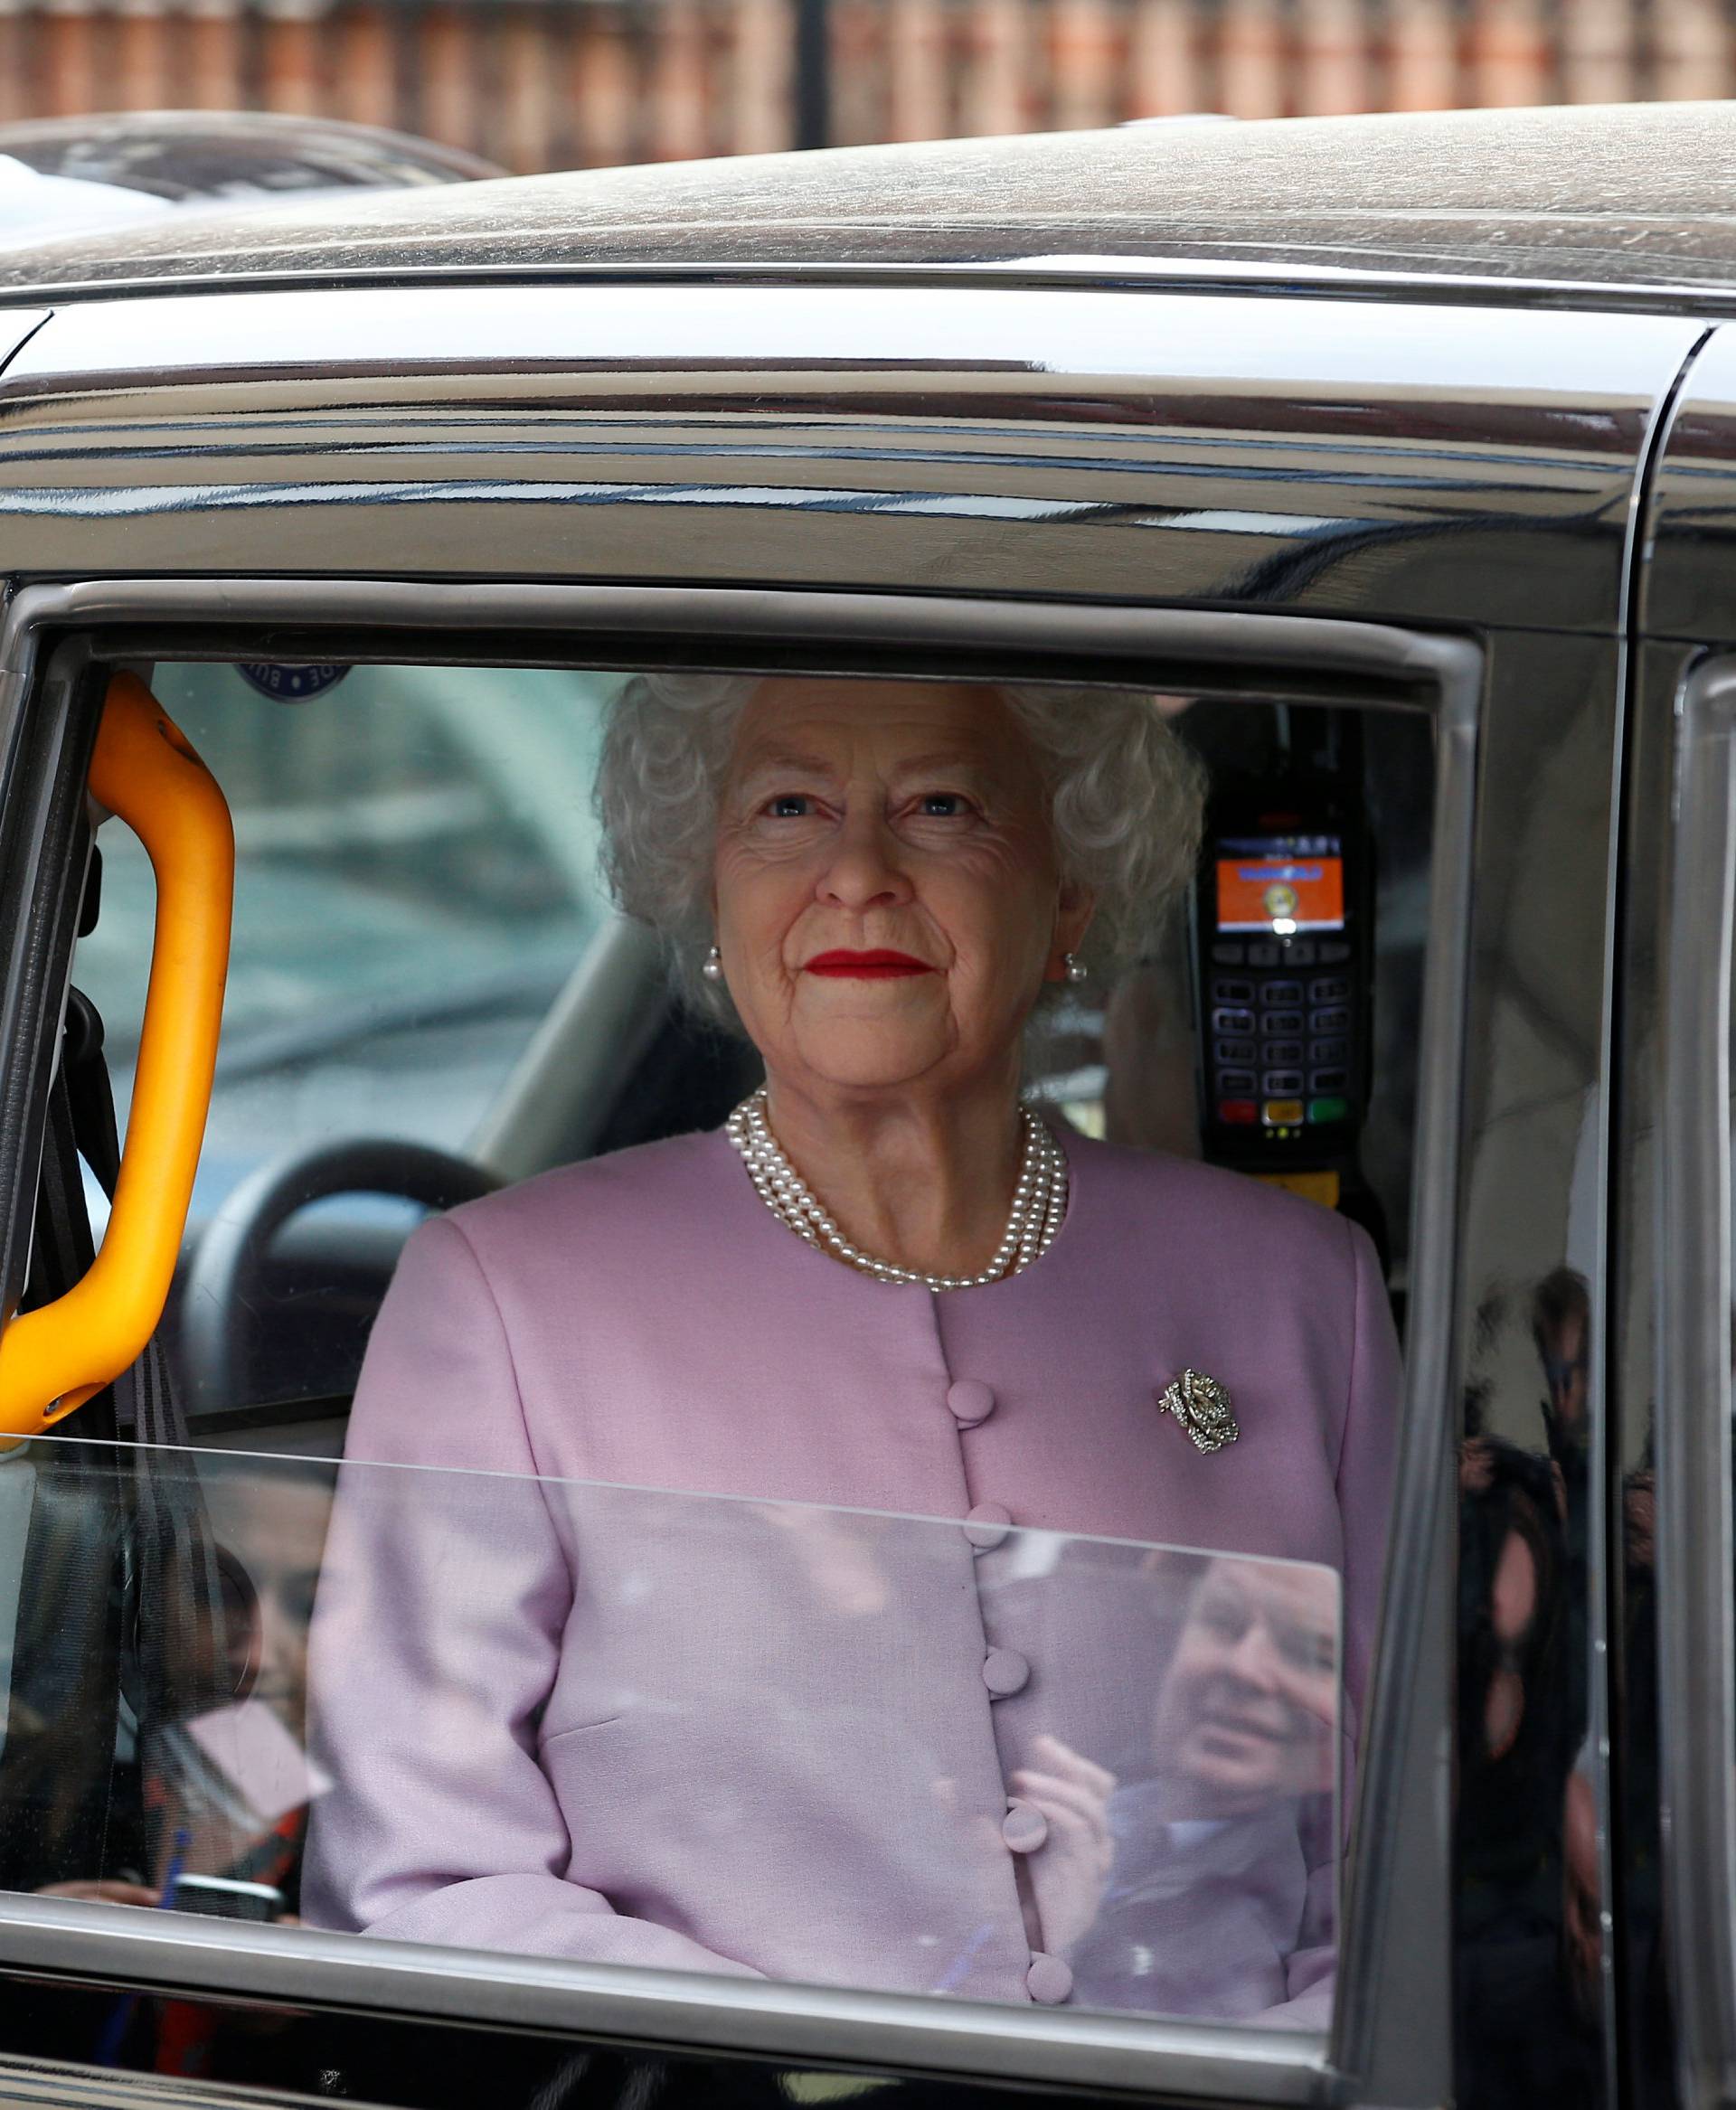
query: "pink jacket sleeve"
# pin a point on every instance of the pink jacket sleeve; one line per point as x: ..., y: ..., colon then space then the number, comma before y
x: 435, y: 1645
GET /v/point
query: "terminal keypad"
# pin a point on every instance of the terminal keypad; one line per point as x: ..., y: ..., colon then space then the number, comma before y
x: 1280, y: 1036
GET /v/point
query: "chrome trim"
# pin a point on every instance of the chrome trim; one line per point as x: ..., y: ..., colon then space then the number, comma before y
x: 1683, y: 587
x: 1277, y: 278
x: 1382, y: 2042
x: 1698, y: 1641
x: 1388, y: 2047
x: 1411, y: 666
x: 793, y: 2022
x: 17, y: 327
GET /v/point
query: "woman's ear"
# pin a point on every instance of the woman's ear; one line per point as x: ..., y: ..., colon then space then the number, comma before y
x: 1073, y: 912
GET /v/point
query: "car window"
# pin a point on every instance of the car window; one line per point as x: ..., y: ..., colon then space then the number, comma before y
x: 1019, y: 1613
x: 416, y: 876
x: 416, y: 882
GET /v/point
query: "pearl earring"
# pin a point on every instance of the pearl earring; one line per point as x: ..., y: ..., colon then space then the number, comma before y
x: 713, y: 965
x: 1076, y: 969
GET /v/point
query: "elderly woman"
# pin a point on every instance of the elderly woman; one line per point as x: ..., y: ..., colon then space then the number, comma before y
x: 573, y: 1710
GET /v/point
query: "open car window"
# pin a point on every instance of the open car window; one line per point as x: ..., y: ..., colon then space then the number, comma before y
x: 419, y: 900
x: 1028, y: 1632
x: 416, y: 877
x: 416, y: 883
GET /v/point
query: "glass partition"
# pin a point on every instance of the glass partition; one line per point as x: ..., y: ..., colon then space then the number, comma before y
x: 653, y: 1727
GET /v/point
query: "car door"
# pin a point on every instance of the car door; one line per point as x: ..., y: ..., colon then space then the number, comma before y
x: 1669, y: 1326
x: 1422, y: 530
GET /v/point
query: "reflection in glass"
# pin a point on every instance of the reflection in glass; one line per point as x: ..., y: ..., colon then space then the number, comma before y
x: 736, y: 1762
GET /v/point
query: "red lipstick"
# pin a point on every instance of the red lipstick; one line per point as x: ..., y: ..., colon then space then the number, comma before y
x: 875, y: 965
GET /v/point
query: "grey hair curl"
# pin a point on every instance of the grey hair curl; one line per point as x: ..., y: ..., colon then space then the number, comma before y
x: 1126, y: 800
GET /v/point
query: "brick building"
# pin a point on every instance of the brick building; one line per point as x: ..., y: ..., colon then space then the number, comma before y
x: 565, y: 83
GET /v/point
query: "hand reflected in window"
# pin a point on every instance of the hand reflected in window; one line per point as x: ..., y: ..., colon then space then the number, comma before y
x: 1071, y: 1873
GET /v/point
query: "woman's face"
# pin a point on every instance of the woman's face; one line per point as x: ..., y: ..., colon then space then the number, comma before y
x: 276, y: 1532
x: 887, y: 898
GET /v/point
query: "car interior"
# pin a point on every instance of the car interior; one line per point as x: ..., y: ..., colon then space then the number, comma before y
x: 429, y: 995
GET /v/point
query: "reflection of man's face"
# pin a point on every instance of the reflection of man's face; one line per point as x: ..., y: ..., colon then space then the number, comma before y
x: 1248, y: 1706
x: 1564, y: 1353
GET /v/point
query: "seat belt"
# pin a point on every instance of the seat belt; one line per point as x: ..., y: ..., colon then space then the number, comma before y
x: 184, y: 1660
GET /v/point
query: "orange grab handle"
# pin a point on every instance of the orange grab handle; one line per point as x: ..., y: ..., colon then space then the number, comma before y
x: 144, y: 772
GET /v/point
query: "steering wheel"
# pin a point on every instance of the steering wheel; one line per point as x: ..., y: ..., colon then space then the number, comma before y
x: 223, y: 1289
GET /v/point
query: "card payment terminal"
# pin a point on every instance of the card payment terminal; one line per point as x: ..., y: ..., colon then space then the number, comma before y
x: 1283, y: 960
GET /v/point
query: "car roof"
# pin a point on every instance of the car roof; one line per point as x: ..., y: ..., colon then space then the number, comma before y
x: 1632, y: 198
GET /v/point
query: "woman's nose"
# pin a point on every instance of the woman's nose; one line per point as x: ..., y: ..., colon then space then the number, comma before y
x: 864, y: 872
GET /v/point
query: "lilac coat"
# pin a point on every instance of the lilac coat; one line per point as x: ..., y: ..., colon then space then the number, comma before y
x: 614, y: 1720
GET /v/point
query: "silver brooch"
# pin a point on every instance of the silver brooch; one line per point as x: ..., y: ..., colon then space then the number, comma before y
x: 1204, y: 1409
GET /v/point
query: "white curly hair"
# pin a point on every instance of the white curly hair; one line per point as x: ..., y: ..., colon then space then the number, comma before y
x: 1126, y: 800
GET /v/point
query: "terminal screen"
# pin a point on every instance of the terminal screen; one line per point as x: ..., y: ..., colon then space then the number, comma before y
x: 1280, y: 883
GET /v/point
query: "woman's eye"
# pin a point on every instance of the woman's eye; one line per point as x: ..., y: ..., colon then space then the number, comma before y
x: 788, y: 806
x: 942, y: 805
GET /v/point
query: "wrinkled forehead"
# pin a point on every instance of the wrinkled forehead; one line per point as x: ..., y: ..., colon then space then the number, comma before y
x: 1287, y: 1593
x: 838, y: 721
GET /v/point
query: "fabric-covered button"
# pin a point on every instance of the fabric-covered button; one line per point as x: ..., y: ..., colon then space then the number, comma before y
x: 1005, y: 1672
x: 1049, y: 1979
x: 1024, y: 1827
x: 971, y: 1401
x: 987, y: 1525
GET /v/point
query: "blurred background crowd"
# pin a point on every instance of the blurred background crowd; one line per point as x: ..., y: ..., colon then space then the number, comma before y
x: 543, y: 84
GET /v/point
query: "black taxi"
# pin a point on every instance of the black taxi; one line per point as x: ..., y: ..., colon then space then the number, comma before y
x: 1396, y: 458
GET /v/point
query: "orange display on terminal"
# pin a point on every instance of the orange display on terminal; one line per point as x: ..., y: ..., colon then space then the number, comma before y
x: 1283, y: 893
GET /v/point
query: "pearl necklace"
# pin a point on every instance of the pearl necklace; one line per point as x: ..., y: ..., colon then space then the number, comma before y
x: 1039, y: 1202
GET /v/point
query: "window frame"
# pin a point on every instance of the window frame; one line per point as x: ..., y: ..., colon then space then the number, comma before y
x: 1392, y: 2033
